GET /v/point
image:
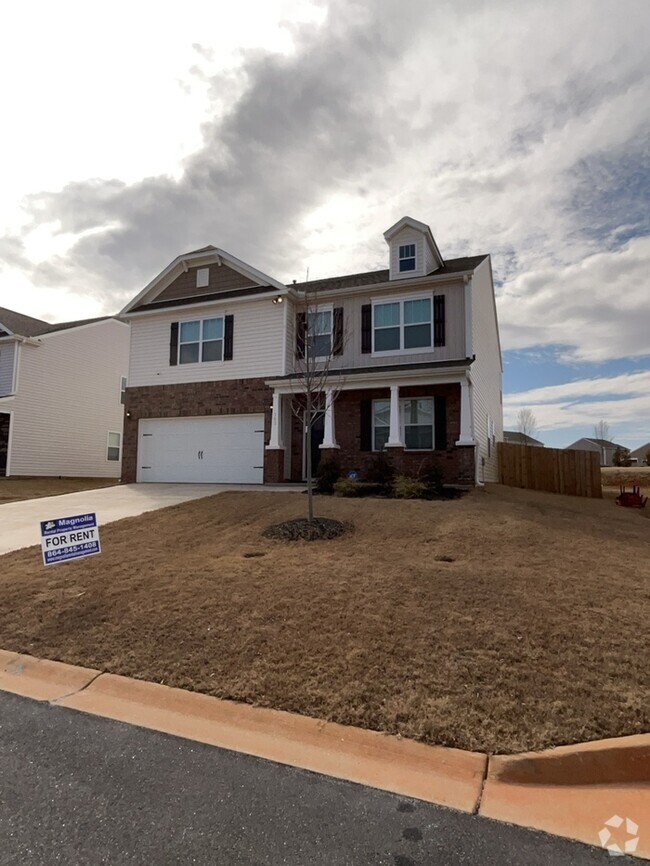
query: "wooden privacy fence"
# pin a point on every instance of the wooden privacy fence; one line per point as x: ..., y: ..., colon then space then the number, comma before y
x: 555, y: 470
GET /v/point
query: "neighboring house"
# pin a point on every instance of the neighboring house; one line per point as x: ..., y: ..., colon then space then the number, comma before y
x: 517, y: 438
x: 415, y: 367
x: 603, y: 447
x: 639, y: 455
x: 61, y: 388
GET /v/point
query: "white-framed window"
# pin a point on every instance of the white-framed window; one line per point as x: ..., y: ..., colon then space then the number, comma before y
x: 402, y: 325
x: 416, y: 423
x: 319, y: 332
x: 407, y: 257
x: 123, y: 383
x: 113, y: 446
x: 202, y: 278
x: 200, y: 340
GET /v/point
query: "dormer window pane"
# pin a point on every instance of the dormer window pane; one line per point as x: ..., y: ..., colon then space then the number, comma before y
x: 407, y: 257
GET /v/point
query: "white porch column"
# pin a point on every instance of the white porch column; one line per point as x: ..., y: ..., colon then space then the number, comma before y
x: 394, y: 438
x: 466, y: 425
x: 329, y: 433
x: 275, y: 442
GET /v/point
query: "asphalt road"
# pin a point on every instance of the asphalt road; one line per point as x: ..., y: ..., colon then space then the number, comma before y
x: 83, y: 791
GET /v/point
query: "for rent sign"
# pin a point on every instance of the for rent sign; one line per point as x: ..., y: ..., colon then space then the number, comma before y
x: 69, y: 538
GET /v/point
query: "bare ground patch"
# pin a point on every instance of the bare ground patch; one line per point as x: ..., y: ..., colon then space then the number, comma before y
x: 502, y: 621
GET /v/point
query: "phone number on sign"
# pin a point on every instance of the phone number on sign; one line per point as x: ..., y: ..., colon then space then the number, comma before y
x: 76, y: 548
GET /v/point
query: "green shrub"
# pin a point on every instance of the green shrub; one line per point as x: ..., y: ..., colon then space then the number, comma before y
x: 328, y: 472
x: 430, y: 475
x: 381, y: 470
x: 405, y: 487
x: 346, y: 487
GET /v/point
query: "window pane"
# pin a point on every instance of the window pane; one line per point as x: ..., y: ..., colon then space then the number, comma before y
x: 417, y: 311
x: 417, y: 337
x: 407, y: 265
x: 386, y: 315
x: 212, y: 350
x: 418, y: 437
x: 114, y: 440
x: 381, y: 438
x: 418, y: 411
x: 386, y: 339
x: 190, y: 332
x: 406, y: 251
x: 321, y: 347
x: 212, y: 329
x: 189, y: 353
x: 381, y: 413
x: 320, y: 322
x: 113, y: 454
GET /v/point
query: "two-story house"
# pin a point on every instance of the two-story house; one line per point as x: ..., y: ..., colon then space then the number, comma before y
x: 218, y: 348
x: 61, y: 392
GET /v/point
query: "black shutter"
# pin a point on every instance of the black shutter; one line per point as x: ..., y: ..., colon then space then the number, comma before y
x: 337, y: 342
x: 366, y: 329
x: 173, y: 345
x: 438, y: 320
x: 228, y: 327
x: 440, y: 423
x: 301, y: 333
x: 365, y: 439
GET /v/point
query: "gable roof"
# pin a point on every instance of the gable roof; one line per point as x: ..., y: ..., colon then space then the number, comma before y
x: 205, y: 255
x: 369, y: 278
x: 641, y: 451
x: 27, y: 326
x: 12, y: 322
x: 520, y: 438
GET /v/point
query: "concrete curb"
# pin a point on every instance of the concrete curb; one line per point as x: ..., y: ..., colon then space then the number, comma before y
x: 571, y: 791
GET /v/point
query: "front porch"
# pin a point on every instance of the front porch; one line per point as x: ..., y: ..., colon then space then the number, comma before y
x: 414, y: 419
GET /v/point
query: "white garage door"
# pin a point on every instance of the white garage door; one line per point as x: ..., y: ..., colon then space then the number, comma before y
x: 226, y: 448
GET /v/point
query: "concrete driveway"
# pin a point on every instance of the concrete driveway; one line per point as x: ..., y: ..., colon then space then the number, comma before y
x: 20, y: 521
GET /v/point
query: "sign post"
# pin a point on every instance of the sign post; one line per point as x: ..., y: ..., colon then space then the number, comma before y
x: 66, y: 538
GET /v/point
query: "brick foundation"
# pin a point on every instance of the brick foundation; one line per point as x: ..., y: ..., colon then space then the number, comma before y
x: 234, y: 397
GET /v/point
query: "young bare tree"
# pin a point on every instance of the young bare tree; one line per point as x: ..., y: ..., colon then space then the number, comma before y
x: 320, y: 338
x: 602, y: 431
x: 526, y: 424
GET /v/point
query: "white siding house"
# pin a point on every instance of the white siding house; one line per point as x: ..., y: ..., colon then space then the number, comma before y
x: 64, y: 408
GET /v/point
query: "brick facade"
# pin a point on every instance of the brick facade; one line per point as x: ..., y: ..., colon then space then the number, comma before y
x: 248, y: 396
x: 456, y: 462
x: 234, y: 397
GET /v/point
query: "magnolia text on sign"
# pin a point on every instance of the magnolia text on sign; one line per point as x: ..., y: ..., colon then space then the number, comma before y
x: 66, y: 538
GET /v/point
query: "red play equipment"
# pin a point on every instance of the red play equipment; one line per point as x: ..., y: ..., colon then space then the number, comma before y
x: 631, y: 499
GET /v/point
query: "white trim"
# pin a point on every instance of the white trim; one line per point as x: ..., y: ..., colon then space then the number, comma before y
x: 401, y: 300
x: 166, y: 311
x: 469, y: 337
x: 77, y: 328
x: 380, y: 379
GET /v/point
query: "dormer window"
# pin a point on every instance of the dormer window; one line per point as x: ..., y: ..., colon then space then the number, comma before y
x: 202, y: 278
x: 407, y: 257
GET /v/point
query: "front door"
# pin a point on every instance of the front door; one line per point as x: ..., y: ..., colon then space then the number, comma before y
x: 4, y: 441
x: 317, y: 436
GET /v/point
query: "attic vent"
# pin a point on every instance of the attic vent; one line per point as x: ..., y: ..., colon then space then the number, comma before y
x: 202, y: 277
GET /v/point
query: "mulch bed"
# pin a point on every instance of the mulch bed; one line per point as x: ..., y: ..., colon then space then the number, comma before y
x: 303, y: 529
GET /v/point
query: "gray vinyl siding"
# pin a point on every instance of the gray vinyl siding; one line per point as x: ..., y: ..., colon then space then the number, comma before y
x: 486, y: 372
x: 7, y: 357
x: 352, y: 357
x: 423, y: 266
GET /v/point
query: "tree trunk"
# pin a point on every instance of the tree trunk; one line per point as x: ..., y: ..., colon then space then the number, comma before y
x: 310, y: 491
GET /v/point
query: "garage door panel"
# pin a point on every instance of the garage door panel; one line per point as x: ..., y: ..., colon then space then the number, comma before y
x: 225, y: 448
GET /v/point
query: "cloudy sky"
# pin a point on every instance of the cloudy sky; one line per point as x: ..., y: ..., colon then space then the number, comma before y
x: 294, y: 132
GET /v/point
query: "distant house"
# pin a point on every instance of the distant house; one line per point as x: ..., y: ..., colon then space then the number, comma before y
x: 61, y: 393
x: 603, y: 447
x: 517, y: 438
x: 638, y: 456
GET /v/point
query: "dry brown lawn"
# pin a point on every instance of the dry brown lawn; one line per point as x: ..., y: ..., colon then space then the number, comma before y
x: 614, y: 476
x: 534, y: 633
x: 14, y: 488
